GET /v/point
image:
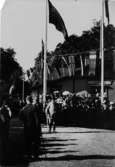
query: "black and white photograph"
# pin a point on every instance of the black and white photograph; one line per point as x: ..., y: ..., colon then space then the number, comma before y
x: 57, y: 83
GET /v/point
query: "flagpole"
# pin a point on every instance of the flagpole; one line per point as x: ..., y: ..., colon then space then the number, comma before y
x: 102, y: 52
x: 45, y: 57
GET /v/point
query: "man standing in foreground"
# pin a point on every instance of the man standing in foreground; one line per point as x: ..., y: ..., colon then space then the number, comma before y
x: 51, y: 115
x: 38, y: 132
x: 5, y: 116
x: 29, y: 117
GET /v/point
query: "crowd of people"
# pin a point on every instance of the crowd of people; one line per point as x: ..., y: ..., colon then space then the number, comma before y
x: 32, y: 115
x: 79, y: 102
x: 30, y: 112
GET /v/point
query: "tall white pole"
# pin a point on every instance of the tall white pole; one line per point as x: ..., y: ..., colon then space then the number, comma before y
x: 45, y: 57
x: 102, y: 52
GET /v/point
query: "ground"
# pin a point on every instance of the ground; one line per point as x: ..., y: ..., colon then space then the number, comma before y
x: 68, y: 147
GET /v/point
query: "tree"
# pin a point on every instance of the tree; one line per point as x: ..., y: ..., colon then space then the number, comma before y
x: 88, y: 41
x: 10, y: 68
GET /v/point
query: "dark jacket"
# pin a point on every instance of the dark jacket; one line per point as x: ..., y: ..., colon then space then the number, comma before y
x: 5, y: 116
x: 29, y: 115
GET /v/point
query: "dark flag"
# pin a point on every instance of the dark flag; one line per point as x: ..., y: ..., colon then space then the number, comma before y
x: 56, y: 19
x: 107, y: 10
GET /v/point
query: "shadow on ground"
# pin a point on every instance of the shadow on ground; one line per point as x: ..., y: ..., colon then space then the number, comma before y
x: 78, y: 157
x: 15, y: 149
x: 51, y: 145
x: 54, y: 151
x: 99, y: 120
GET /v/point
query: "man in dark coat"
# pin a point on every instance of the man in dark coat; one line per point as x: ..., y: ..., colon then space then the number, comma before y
x: 37, y: 138
x: 29, y: 117
x: 5, y: 116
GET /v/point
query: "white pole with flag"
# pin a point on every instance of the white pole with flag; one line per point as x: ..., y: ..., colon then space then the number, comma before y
x: 45, y: 57
x: 102, y: 51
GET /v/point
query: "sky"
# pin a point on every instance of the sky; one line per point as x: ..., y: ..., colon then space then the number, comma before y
x: 22, y: 24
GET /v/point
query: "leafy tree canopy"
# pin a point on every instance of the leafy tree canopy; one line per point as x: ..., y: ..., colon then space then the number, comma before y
x: 10, y: 70
x: 89, y: 40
